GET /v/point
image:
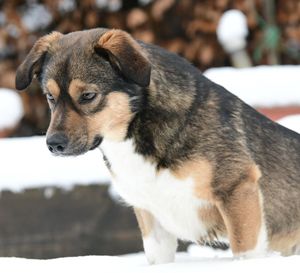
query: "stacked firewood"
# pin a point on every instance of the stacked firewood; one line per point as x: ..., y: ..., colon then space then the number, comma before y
x: 186, y: 27
x: 288, y: 17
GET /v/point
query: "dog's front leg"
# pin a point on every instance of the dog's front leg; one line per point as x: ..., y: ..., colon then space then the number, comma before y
x: 159, y: 245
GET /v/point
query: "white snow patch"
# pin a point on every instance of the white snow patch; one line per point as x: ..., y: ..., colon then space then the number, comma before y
x: 13, y: 30
x: 265, y: 86
x: 65, y: 6
x: 26, y: 162
x: 197, y: 251
x: 232, y: 30
x: 111, y: 5
x: 49, y: 192
x: 208, y: 261
x: 145, y: 2
x: 101, y: 3
x: 2, y: 18
x: 114, y: 5
x: 11, y: 108
x: 292, y: 122
x: 36, y: 17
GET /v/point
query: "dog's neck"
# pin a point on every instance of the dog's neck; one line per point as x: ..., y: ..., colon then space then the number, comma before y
x: 158, y: 128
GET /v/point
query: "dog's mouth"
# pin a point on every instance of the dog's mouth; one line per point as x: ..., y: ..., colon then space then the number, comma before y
x: 97, y: 142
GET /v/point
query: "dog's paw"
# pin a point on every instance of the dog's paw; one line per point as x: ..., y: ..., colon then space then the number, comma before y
x: 160, y: 251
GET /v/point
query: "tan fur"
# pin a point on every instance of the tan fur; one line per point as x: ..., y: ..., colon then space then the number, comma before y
x: 286, y: 243
x: 181, y: 103
x: 212, y: 219
x: 145, y: 221
x: 77, y: 86
x: 254, y: 173
x: 115, y: 41
x: 44, y: 43
x: 53, y: 88
x: 242, y: 213
x: 201, y: 170
x: 53, y: 122
x: 76, y: 119
x: 112, y: 122
x: 126, y: 54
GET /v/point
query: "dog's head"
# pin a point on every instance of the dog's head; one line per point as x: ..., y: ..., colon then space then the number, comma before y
x: 93, y: 81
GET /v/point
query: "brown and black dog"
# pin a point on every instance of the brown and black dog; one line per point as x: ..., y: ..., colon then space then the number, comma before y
x: 194, y: 161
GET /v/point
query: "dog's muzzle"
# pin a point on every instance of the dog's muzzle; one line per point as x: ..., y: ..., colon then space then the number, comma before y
x: 57, y: 143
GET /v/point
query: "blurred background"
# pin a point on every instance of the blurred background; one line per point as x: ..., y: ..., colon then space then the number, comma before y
x: 53, y: 207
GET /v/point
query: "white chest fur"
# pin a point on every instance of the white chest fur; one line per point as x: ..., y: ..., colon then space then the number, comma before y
x: 170, y: 200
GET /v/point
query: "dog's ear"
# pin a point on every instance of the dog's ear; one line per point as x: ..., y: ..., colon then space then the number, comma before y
x: 125, y: 54
x: 33, y: 62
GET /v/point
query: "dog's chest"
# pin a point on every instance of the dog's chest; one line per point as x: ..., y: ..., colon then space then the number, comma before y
x: 170, y: 200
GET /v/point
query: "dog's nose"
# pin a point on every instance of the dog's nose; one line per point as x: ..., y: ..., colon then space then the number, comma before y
x: 57, y: 143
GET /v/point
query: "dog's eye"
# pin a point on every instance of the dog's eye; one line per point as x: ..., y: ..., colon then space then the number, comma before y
x: 87, y: 97
x: 50, y: 97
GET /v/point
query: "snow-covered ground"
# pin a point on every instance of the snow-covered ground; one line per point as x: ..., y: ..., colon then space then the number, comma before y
x: 201, y: 259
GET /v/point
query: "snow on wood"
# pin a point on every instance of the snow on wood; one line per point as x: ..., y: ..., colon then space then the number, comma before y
x: 292, y: 122
x: 11, y: 108
x: 260, y: 85
x: 26, y: 162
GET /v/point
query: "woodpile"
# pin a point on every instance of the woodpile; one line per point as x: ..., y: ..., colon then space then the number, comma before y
x: 186, y: 27
x: 54, y: 222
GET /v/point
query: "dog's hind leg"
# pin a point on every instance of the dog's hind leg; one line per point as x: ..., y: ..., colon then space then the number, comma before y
x: 159, y: 245
x: 243, y: 217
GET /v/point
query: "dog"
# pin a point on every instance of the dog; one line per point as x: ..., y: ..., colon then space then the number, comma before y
x: 195, y: 162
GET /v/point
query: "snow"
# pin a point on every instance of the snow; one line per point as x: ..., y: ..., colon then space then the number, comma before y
x: 36, y: 17
x: 111, y: 5
x: 65, y: 6
x: 13, y: 31
x: 232, y: 30
x: 27, y: 162
x: 292, y: 122
x: 2, y: 18
x: 264, y: 86
x: 205, y: 260
x: 145, y: 2
x: 11, y: 108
